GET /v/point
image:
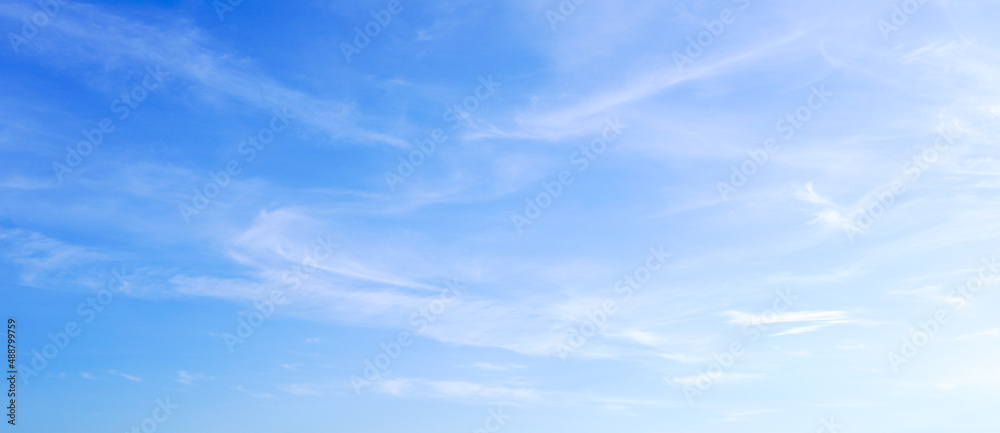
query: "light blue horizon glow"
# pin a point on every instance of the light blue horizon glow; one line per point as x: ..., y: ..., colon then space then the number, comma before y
x: 682, y: 216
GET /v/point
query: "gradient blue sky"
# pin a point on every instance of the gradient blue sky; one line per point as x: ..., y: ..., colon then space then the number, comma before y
x: 313, y: 218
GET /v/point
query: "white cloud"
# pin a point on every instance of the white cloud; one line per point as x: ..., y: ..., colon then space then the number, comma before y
x: 301, y: 389
x: 188, y: 378
x: 393, y: 386
x: 744, y: 415
x: 253, y: 394
x: 741, y: 318
x: 126, y: 376
x: 457, y: 390
x: 496, y: 367
x: 715, y: 377
x: 87, y: 34
x: 989, y: 333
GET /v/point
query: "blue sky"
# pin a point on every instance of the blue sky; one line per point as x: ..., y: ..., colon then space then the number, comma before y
x: 523, y: 216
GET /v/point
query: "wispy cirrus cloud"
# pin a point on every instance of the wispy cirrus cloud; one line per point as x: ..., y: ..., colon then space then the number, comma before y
x: 126, y: 376
x: 108, y: 40
x: 817, y: 319
x: 253, y: 394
